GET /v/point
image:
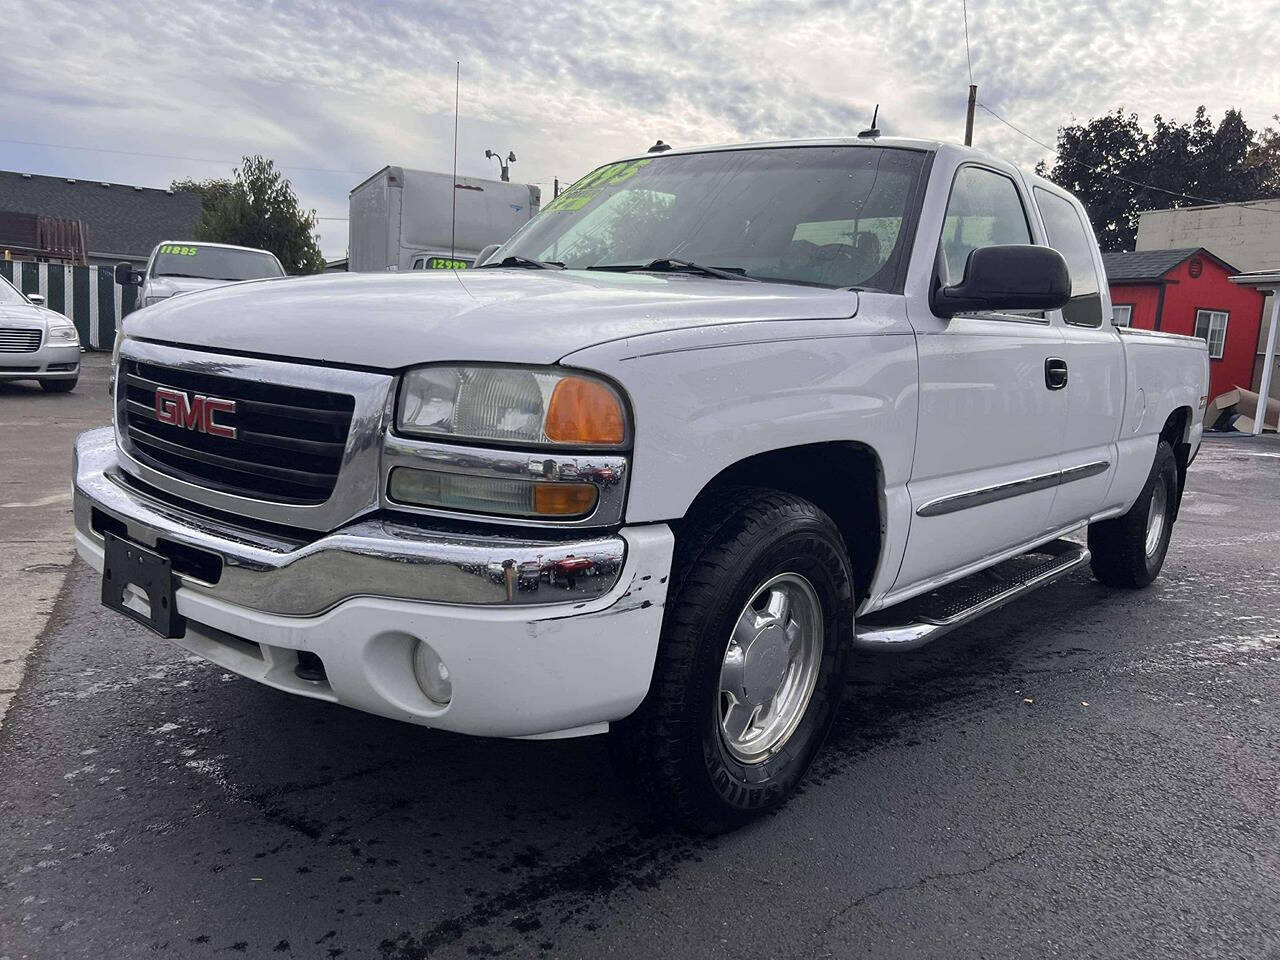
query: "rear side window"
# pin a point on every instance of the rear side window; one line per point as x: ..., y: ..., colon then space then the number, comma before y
x: 1069, y: 235
x: 984, y: 210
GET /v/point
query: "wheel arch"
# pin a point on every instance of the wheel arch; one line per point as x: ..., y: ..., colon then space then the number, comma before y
x: 1177, y: 433
x: 845, y: 479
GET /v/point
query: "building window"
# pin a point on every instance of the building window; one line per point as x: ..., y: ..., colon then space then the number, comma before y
x: 1121, y: 314
x: 1211, y: 327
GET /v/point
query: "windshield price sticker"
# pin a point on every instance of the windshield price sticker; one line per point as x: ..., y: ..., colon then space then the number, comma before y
x: 574, y: 199
x: 444, y: 263
x: 176, y: 250
x: 590, y: 186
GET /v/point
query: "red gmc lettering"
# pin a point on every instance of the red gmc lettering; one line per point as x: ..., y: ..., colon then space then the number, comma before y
x: 195, y: 412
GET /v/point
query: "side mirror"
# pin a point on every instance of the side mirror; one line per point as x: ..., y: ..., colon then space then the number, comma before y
x: 126, y: 276
x: 1008, y: 277
x: 35, y: 299
x: 486, y: 253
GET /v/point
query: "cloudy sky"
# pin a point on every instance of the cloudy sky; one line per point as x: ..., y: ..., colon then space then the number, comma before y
x: 334, y: 90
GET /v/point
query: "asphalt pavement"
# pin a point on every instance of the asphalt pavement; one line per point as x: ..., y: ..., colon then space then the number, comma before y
x: 36, y: 430
x: 1087, y: 773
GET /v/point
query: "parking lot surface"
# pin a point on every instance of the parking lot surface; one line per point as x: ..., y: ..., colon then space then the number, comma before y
x: 36, y: 430
x: 1087, y: 773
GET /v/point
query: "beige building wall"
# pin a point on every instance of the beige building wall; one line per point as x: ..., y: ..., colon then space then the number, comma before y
x: 1247, y: 236
x: 1264, y: 330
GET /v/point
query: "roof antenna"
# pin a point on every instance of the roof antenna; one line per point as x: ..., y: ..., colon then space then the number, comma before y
x: 873, y: 130
x: 453, y: 217
x: 660, y: 147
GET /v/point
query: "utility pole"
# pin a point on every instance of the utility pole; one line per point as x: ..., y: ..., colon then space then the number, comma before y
x: 968, y: 120
x: 556, y: 188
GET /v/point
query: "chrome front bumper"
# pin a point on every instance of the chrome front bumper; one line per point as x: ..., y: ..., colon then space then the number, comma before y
x: 274, y: 573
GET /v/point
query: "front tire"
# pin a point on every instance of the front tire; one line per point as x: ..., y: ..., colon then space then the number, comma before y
x: 58, y: 386
x: 751, y: 665
x: 1129, y: 550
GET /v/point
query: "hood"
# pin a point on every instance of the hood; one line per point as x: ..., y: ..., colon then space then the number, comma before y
x: 394, y: 320
x: 26, y: 315
x: 174, y: 286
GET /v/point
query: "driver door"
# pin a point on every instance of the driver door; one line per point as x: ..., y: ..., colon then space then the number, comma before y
x: 990, y: 427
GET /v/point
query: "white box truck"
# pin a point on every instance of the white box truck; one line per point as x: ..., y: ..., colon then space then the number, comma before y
x: 402, y: 219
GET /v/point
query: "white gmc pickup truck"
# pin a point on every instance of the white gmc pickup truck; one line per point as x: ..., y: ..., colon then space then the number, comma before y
x: 709, y: 423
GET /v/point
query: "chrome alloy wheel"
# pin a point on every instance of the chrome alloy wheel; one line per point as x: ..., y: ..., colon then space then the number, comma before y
x: 770, y: 667
x: 1156, y: 516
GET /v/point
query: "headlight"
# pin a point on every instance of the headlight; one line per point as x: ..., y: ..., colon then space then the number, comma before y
x: 513, y: 405
x: 63, y: 333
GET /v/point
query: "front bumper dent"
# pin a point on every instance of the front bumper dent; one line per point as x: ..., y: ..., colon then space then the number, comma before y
x: 535, y: 647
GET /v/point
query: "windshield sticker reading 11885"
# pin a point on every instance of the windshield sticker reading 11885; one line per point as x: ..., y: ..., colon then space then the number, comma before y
x: 177, y: 250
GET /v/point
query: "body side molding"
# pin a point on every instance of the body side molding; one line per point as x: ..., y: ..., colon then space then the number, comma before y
x: 1014, y: 488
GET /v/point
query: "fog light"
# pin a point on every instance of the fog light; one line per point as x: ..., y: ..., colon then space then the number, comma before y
x: 432, y: 674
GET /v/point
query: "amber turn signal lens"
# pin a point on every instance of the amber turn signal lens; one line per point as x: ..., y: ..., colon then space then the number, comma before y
x: 584, y: 411
x: 563, y: 499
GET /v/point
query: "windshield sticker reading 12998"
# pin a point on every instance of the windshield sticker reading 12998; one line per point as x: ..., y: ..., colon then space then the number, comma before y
x: 177, y: 250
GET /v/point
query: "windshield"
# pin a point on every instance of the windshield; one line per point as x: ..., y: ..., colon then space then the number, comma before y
x: 9, y: 294
x: 831, y: 216
x: 213, y: 263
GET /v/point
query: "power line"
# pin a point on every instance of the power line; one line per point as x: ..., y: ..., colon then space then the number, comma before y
x: 964, y: 5
x: 1247, y: 204
x: 168, y: 156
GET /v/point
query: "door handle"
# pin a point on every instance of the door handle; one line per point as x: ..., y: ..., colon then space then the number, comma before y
x: 1055, y: 373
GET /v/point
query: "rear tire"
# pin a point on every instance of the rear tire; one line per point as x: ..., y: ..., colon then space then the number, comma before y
x: 751, y: 665
x: 1129, y: 550
x: 59, y: 386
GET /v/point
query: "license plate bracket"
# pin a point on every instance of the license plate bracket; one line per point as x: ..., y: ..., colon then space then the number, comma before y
x: 138, y: 582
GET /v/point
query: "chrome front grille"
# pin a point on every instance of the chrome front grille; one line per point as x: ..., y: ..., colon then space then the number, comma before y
x: 288, y: 443
x: 20, y: 339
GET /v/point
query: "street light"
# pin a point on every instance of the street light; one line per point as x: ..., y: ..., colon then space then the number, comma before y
x: 504, y: 167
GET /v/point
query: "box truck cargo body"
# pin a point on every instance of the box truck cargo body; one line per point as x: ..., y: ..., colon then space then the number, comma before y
x: 401, y: 218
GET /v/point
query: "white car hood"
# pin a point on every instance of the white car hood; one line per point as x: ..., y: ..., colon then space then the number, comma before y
x: 26, y: 315
x: 394, y: 320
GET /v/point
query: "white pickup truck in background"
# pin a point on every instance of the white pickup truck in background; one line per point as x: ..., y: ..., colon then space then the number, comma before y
x: 177, y: 267
x: 709, y: 423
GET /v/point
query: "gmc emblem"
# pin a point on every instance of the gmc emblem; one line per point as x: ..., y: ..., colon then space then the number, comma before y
x: 195, y: 412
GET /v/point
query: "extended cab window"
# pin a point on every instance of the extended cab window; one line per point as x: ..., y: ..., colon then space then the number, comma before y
x: 829, y: 216
x: 1070, y: 237
x: 984, y: 210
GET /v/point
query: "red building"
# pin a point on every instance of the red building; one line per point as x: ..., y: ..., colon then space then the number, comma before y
x: 1187, y: 292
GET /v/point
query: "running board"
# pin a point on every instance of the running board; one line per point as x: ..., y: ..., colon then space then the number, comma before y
x: 915, y: 622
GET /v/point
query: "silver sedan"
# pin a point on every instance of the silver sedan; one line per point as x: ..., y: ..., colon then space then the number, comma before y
x: 36, y: 343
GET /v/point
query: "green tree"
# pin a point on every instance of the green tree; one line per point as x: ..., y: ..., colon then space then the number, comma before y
x: 1119, y: 169
x: 211, y: 192
x: 258, y: 208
